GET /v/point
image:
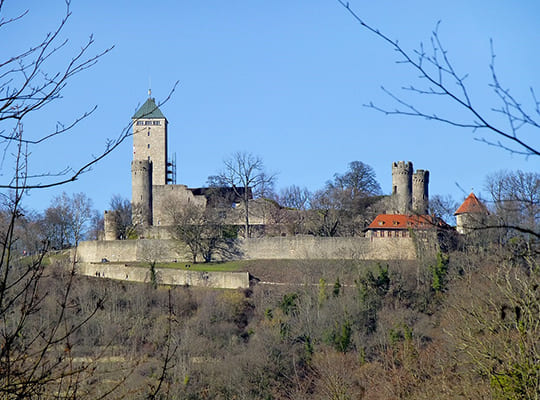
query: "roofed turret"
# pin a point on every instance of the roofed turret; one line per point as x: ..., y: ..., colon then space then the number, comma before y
x: 472, y: 205
x: 471, y: 215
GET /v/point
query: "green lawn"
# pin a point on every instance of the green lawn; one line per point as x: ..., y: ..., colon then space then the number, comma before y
x: 224, y: 266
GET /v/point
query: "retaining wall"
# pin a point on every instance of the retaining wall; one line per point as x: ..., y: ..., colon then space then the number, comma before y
x: 166, y: 276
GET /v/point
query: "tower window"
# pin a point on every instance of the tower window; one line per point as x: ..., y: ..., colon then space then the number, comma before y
x: 156, y: 122
x: 148, y: 133
x: 148, y: 145
x: 140, y: 122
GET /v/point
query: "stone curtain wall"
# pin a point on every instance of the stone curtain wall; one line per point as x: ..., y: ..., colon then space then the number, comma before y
x: 166, y: 276
x: 310, y: 247
x: 131, y: 251
x: 166, y: 196
x: 294, y: 247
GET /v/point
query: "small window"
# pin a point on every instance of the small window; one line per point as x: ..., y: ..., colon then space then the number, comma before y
x: 156, y: 122
x: 140, y: 122
x: 148, y: 133
x: 148, y: 145
x: 148, y: 122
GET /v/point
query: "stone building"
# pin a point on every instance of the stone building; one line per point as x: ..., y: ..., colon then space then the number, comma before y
x: 399, y: 225
x: 155, y: 193
x: 471, y: 215
x: 154, y: 190
x: 408, y: 214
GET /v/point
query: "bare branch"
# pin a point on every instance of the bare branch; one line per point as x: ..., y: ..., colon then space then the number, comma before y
x: 439, y: 80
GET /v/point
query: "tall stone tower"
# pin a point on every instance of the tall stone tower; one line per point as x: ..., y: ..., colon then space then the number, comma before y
x: 149, y: 165
x: 150, y: 139
x: 141, y: 192
x: 402, y: 186
x: 420, y: 195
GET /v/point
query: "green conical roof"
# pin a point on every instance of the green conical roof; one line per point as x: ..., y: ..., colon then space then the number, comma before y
x: 149, y: 110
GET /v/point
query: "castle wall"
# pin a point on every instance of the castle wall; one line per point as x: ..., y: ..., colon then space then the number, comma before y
x: 131, y: 251
x: 167, y: 276
x: 166, y: 197
x: 311, y: 247
x: 291, y: 247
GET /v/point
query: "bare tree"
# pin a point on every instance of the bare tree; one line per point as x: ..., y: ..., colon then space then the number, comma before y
x: 201, y: 229
x: 325, y: 218
x: 246, y: 175
x: 439, y: 79
x: 345, y: 204
x: 27, y: 86
x: 67, y: 219
x: 97, y: 226
x: 37, y: 350
x: 55, y: 221
x: 516, y: 200
x: 294, y: 197
x: 496, y: 320
x: 443, y: 207
x: 359, y: 181
x: 188, y: 224
x: 291, y: 212
x: 121, y: 209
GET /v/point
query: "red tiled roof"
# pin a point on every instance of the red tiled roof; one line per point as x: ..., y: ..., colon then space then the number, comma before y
x: 401, y: 221
x: 471, y: 205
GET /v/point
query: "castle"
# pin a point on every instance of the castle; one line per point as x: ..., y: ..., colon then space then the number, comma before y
x: 154, y: 190
x: 401, y: 233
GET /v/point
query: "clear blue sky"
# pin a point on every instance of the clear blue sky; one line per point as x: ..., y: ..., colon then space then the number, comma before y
x: 285, y: 80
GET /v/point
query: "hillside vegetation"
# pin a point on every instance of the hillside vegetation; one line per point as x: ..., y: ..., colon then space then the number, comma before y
x: 463, y: 325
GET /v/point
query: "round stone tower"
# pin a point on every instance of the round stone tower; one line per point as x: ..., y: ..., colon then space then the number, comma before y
x: 402, y: 186
x: 109, y: 222
x: 420, y: 195
x: 141, y: 192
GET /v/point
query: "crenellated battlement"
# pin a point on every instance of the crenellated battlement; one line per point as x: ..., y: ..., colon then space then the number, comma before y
x: 409, y: 188
x: 420, y: 175
x: 402, y: 167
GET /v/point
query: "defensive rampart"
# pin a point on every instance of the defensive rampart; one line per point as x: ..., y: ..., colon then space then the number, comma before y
x: 311, y: 247
x: 294, y: 247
